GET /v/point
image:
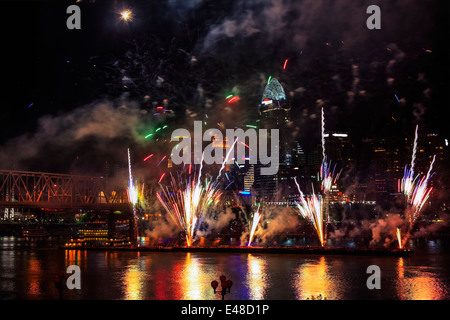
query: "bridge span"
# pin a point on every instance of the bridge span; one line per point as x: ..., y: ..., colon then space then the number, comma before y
x: 42, y: 190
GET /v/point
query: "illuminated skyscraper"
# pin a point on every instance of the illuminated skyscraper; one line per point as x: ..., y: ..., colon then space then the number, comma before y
x: 249, y: 178
x: 339, y: 149
x: 274, y: 110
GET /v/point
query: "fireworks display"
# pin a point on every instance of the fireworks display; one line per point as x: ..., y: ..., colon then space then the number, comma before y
x: 311, y: 208
x: 406, y: 184
x: 328, y: 176
x: 187, y: 200
x: 323, y: 134
x: 255, y: 222
x: 134, y: 197
x: 399, y: 238
x: 315, y: 207
x: 419, y: 195
x: 415, y: 189
x: 148, y: 157
x: 233, y: 99
x: 408, y: 180
x: 133, y: 194
x: 190, y: 197
x: 151, y: 83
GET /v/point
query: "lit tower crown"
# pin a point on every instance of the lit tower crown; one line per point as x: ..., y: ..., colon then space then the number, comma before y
x: 273, y: 91
x: 274, y: 107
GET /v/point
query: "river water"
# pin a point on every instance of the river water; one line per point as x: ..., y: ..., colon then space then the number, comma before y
x: 28, y: 268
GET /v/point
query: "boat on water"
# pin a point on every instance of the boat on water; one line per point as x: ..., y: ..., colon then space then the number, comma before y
x: 96, y: 238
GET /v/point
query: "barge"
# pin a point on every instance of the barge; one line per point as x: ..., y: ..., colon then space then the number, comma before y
x: 257, y: 250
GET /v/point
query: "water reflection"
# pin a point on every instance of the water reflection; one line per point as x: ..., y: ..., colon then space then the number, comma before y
x: 75, y: 257
x: 191, y: 279
x: 257, y: 277
x: 161, y: 277
x: 133, y: 283
x: 33, y: 274
x: 28, y: 273
x: 418, y: 283
x: 313, y: 279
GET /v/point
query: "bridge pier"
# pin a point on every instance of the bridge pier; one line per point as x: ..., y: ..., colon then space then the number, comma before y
x: 111, y: 219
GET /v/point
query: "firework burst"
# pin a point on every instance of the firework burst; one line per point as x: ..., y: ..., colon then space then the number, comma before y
x: 311, y: 208
x: 415, y: 189
x: 420, y: 193
x: 133, y: 190
x: 134, y: 196
x: 255, y: 222
x: 399, y: 239
x: 327, y: 176
x: 408, y: 181
x: 188, y: 199
x: 406, y: 185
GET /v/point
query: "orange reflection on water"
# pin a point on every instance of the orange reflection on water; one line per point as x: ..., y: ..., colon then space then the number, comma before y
x: 71, y: 256
x: 257, y: 277
x: 75, y: 257
x: 34, y: 272
x: 192, y: 286
x: 418, y: 283
x: 314, y: 279
x: 193, y: 280
x: 133, y: 280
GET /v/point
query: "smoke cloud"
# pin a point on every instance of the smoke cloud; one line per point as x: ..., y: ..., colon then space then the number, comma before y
x: 216, y: 222
x: 425, y: 231
x: 279, y: 221
x: 294, y: 23
x: 274, y: 222
x: 162, y: 229
x: 79, y: 141
x: 384, y: 230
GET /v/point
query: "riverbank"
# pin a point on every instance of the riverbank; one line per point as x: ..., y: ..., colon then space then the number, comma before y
x: 260, y: 250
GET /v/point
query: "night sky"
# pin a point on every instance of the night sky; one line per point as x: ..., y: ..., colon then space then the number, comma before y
x: 79, y: 95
